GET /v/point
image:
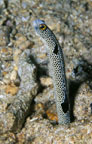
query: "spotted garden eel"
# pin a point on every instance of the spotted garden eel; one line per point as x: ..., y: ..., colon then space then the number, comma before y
x: 58, y: 67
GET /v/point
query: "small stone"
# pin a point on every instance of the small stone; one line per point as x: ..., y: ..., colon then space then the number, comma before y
x: 6, y: 81
x: 16, y: 55
x: 42, y: 56
x: 39, y: 106
x: 25, y: 19
x: 20, y: 40
x: 11, y: 89
x: 21, y: 138
x: 4, y: 73
x: 46, y: 81
x: 52, y: 26
x: 15, y: 68
x: 76, y: 40
x: 58, y: 27
x: 4, y: 50
x: 3, y: 39
x: 25, y: 45
x: 13, y: 75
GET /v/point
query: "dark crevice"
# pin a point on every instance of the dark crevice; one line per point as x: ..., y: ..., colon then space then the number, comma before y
x: 74, y: 85
x: 19, y: 127
x: 6, y: 3
x: 73, y: 89
x: 86, y: 6
x: 30, y: 112
x: 42, y: 70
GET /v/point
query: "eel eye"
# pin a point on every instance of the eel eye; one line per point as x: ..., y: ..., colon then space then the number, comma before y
x: 43, y: 26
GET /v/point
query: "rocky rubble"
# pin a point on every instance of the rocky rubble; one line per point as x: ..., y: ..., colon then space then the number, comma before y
x: 27, y: 106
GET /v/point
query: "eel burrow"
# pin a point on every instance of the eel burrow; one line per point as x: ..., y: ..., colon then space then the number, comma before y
x: 58, y: 67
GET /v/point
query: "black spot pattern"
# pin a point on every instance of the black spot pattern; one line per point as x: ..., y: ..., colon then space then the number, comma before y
x: 56, y: 49
x: 64, y: 107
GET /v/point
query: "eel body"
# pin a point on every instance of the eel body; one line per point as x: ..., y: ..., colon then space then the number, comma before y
x: 58, y: 68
